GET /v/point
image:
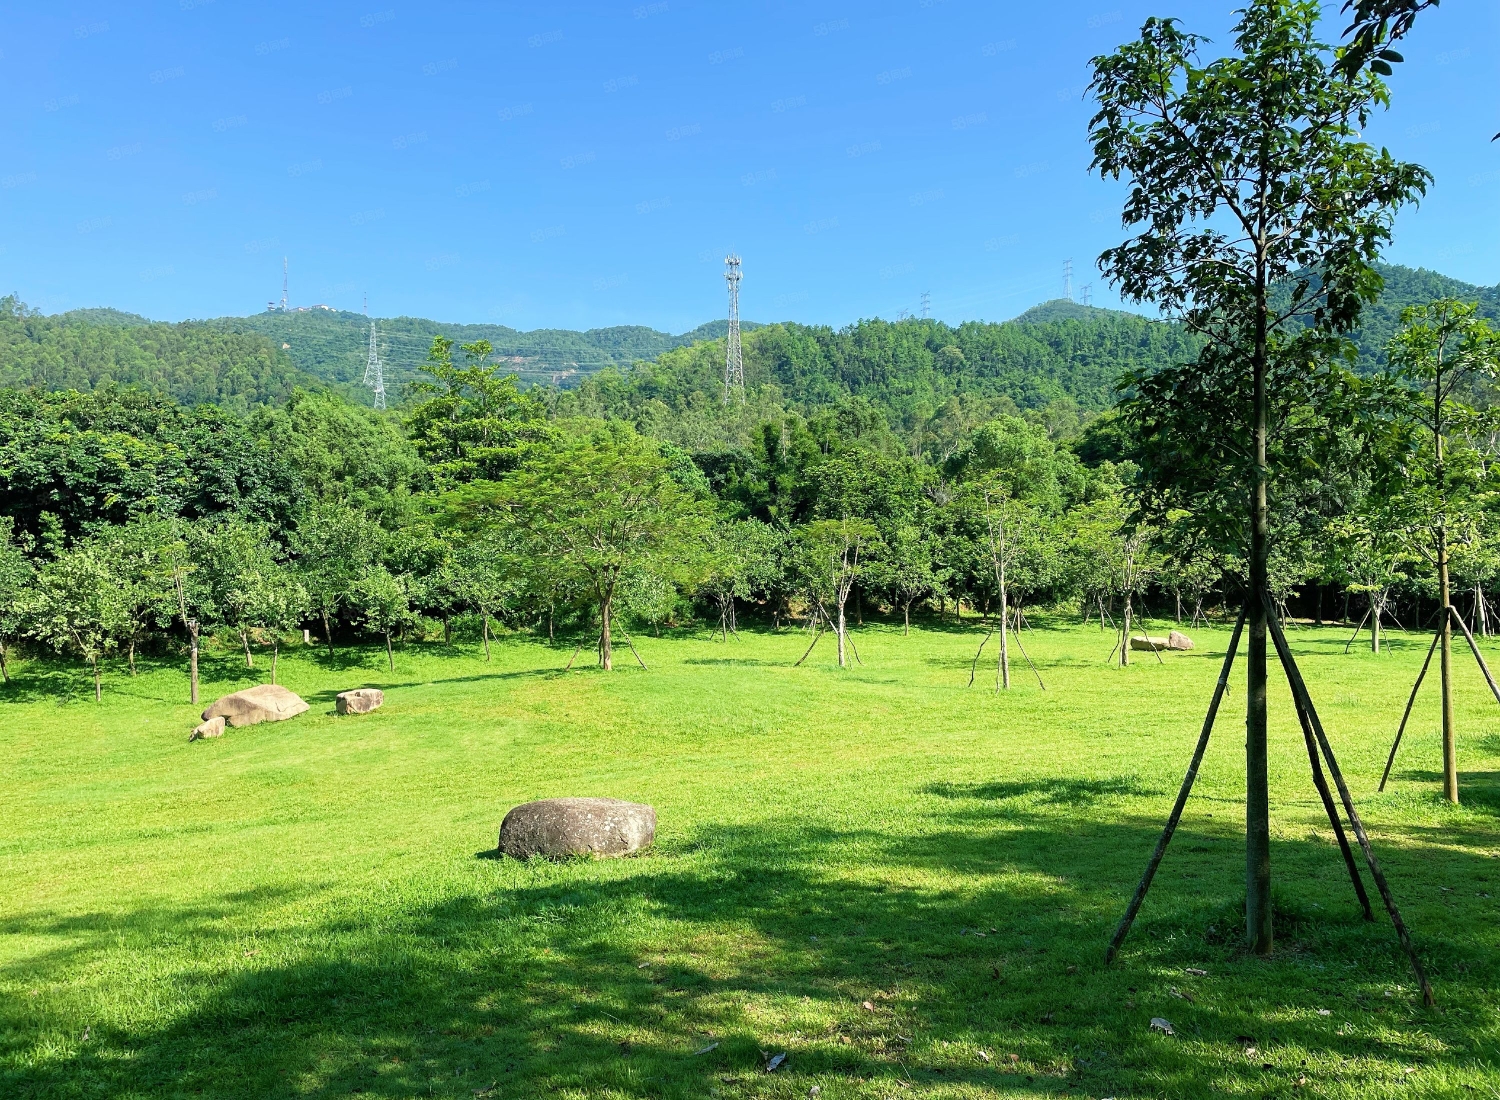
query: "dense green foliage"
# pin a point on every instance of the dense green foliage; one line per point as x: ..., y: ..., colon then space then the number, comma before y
x: 90, y: 349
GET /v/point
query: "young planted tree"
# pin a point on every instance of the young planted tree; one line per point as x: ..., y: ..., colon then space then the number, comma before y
x: 273, y: 602
x: 1444, y: 362
x: 17, y: 578
x: 78, y: 606
x: 830, y: 565
x: 382, y: 601
x: 485, y: 575
x: 742, y: 559
x: 335, y: 545
x: 604, y: 501
x: 904, y: 568
x: 1261, y: 211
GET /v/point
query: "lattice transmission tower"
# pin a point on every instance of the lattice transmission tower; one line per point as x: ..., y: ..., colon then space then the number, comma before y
x: 374, y: 372
x: 1068, y: 280
x: 734, y: 361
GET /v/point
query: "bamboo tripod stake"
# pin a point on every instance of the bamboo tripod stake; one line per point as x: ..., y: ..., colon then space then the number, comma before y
x: 1317, y: 741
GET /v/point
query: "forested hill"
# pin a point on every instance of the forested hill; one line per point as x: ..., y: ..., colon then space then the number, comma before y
x: 333, y: 345
x: 91, y: 349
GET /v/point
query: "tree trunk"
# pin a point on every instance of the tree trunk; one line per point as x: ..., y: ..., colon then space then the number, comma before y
x: 129, y: 656
x: 327, y: 632
x: 1480, y: 612
x: 447, y: 631
x: 485, y: 618
x: 1258, y: 932
x: 1178, y: 596
x: 1319, y: 618
x: 905, y: 619
x: 1004, y: 669
x: 1377, y: 609
x: 4, y: 667
x: 389, y: 655
x: 275, y: 654
x: 549, y: 624
x: 1450, y: 752
x: 245, y: 638
x: 1125, y: 633
x: 193, y: 661
x: 606, y: 652
x: 98, y: 691
x: 839, y: 630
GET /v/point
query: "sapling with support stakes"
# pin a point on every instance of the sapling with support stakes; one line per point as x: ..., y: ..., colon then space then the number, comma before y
x: 1259, y: 211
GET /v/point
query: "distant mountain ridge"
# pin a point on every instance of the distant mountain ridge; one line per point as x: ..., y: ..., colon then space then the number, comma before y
x: 334, y: 345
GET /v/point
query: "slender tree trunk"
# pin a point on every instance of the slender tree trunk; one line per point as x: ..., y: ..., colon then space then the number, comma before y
x: 129, y: 656
x: 1125, y: 633
x: 447, y: 631
x: 390, y: 656
x: 1178, y: 596
x: 1319, y: 618
x: 905, y: 620
x: 484, y: 617
x: 275, y: 654
x: 327, y: 632
x: 193, y: 661
x: 1258, y: 931
x: 606, y: 652
x: 1480, y: 612
x: 1004, y: 669
x: 99, y: 691
x: 1377, y: 610
x: 839, y: 630
x: 1450, y: 752
x: 245, y: 639
x: 549, y: 623
x: 4, y: 667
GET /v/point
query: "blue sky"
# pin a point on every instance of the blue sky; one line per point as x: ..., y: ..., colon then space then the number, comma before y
x: 585, y: 165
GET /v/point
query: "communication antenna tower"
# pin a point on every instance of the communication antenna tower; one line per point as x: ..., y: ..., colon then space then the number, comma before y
x: 1086, y: 292
x: 734, y: 362
x: 926, y: 304
x: 374, y: 372
x: 1068, y: 280
x: 283, y: 284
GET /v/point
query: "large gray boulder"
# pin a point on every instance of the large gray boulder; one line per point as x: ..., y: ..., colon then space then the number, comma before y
x: 266, y: 703
x: 1178, y: 640
x: 358, y: 701
x: 1149, y: 644
x: 557, y: 827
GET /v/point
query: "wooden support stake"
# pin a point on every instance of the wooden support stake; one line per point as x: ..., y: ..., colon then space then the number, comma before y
x: 817, y: 633
x: 1299, y: 691
x: 974, y: 668
x: 1484, y: 668
x: 1022, y: 648
x: 1123, y: 928
x: 1407, y: 714
x: 1357, y: 629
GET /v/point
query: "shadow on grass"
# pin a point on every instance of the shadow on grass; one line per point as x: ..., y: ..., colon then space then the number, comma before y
x: 977, y: 931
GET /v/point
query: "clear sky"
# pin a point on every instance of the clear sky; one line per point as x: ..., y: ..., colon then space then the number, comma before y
x: 579, y: 165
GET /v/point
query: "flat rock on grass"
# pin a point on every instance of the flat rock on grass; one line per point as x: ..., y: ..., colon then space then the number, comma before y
x: 359, y: 701
x: 1149, y: 644
x: 266, y: 703
x: 209, y: 727
x: 558, y: 827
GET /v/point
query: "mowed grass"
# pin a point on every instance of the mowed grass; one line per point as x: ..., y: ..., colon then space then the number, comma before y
x: 902, y: 883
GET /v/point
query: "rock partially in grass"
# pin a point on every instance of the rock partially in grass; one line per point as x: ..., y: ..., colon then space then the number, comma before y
x: 1178, y: 640
x: 266, y: 703
x: 359, y: 701
x: 557, y: 827
x: 1148, y: 644
x: 211, y: 727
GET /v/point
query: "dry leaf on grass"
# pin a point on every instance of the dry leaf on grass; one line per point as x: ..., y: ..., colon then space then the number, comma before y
x: 867, y: 1006
x: 775, y: 1062
x: 1195, y: 972
x: 705, y: 1050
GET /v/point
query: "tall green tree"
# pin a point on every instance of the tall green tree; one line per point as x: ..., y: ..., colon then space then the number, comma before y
x: 472, y: 421
x: 382, y: 600
x: 334, y: 545
x: 603, y: 501
x: 17, y: 576
x: 1445, y: 362
x: 1259, y: 212
x: 79, y: 606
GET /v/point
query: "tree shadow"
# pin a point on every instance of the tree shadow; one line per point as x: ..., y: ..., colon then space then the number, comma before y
x: 979, y: 932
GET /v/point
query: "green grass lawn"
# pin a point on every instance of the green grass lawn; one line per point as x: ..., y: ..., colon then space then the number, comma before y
x: 903, y: 884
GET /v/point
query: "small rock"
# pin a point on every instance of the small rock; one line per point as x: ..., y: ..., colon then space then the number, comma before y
x: 1159, y: 1024
x: 359, y: 701
x: 266, y: 703
x: 210, y: 727
x: 557, y: 827
x: 1178, y: 640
